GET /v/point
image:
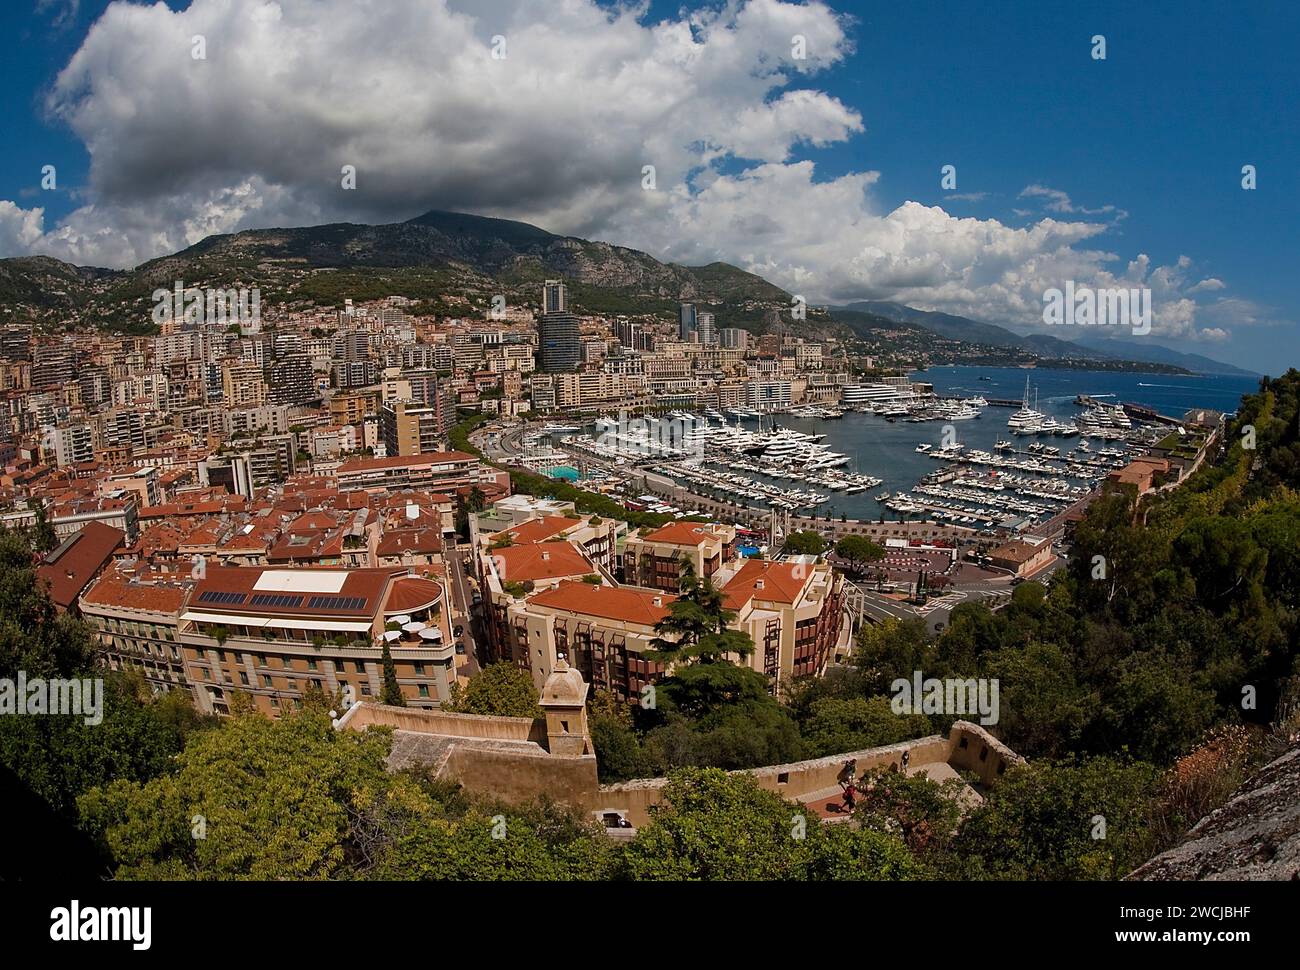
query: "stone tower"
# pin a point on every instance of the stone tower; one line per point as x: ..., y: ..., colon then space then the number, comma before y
x: 564, y: 699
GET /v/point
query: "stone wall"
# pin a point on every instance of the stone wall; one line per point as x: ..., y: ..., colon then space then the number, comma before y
x: 445, y: 723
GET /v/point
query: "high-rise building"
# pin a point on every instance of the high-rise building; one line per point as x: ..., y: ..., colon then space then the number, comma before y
x: 242, y: 384
x: 408, y: 428
x: 555, y: 297
x: 733, y: 338
x: 557, y: 331
x: 708, y: 332
x: 687, y: 323
x: 292, y: 380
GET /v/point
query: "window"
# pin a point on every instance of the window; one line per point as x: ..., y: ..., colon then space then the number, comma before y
x: 243, y: 678
x: 266, y: 681
x: 365, y: 690
x: 311, y: 664
x: 361, y: 667
x: 419, y: 669
x: 424, y: 690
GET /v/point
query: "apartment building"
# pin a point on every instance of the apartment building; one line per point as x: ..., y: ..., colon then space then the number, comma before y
x: 275, y: 633
x: 657, y: 558
x: 242, y: 384
x: 792, y: 611
x: 440, y: 472
x: 136, y: 623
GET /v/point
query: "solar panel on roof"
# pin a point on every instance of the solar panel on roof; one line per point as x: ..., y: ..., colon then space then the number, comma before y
x: 337, y: 602
x: 220, y: 596
x: 276, y: 599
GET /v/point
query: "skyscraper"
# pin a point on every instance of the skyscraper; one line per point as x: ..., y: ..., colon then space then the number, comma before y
x: 557, y: 331
x: 555, y: 297
x: 687, y: 324
x: 705, y: 329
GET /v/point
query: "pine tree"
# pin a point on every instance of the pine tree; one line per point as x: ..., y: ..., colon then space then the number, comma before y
x: 392, y: 693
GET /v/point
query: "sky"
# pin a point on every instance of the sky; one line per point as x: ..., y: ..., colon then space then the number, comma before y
x: 822, y: 172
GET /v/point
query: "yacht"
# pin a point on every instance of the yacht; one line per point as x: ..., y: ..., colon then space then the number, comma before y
x: 1026, y: 416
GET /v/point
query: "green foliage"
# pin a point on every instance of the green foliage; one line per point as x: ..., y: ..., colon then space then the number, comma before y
x: 858, y: 550
x: 1044, y: 821
x: 502, y: 689
x: 717, y: 826
x: 273, y: 800
x: 697, y: 626
x: 834, y: 725
x: 805, y: 543
x: 392, y: 692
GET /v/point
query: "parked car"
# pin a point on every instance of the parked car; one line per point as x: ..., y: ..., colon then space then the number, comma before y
x: 459, y: 630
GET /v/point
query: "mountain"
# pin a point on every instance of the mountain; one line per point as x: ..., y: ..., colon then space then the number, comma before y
x: 1091, y: 346
x: 453, y: 261
x: 972, y: 331
x: 1155, y: 353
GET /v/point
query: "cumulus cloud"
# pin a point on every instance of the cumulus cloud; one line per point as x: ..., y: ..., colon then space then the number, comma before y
x: 557, y: 132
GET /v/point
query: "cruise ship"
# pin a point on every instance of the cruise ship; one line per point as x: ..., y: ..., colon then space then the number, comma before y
x: 889, y: 391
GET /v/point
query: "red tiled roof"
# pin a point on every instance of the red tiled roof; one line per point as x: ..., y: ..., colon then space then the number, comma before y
x: 551, y: 560
x: 410, y: 594
x: 539, y: 530
x: 113, y: 589
x: 397, y: 541
x: 69, y: 568
x: 366, y: 584
x: 624, y: 603
x: 682, y: 533
x: 398, y: 461
x: 782, y: 583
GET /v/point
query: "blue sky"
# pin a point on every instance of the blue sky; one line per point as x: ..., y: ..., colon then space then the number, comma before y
x: 1148, y: 143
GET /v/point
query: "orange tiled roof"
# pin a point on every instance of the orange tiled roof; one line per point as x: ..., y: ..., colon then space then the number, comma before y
x: 782, y: 583
x: 682, y: 533
x: 539, y: 530
x: 551, y: 560
x: 624, y: 603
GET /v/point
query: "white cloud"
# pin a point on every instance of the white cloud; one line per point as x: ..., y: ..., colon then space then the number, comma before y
x: 556, y: 134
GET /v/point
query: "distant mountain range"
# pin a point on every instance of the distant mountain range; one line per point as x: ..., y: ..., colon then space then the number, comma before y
x: 1092, y: 346
x: 455, y: 263
x: 441, y: 257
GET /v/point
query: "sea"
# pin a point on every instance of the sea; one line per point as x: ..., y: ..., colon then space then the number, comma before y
x: 887, y: 450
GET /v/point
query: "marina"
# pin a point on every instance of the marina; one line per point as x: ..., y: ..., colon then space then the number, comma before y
x: 955, y: 456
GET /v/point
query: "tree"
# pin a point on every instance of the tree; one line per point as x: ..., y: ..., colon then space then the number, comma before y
x: 502, y: 689
x: 696, y: 625
x: 392, y: 692
x: 1073, y: 819
x: 477, y: 501
x: 858, y: 550
x: 835, y: 725
x: 41, y: 532
x: 805, y: 543
x: 256, y: 799
x: 717, y: 826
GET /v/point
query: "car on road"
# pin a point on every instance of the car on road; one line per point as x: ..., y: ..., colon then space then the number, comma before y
x: 460, y: 647
x: 938, y: 626
x: 459, y: 630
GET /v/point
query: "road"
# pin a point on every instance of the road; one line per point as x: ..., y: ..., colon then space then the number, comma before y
x: 463, y: 612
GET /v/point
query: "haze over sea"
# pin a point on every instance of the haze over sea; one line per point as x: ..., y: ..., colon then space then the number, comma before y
x: 888, y: 451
